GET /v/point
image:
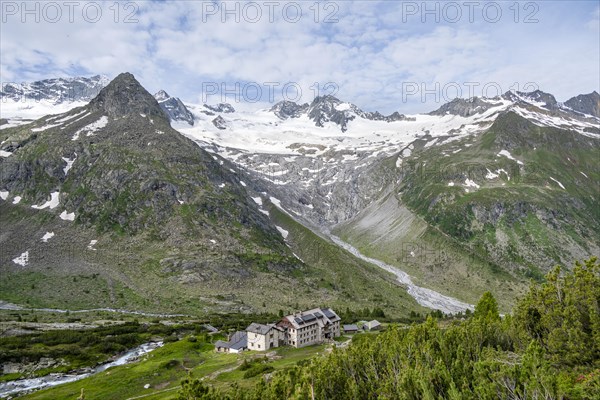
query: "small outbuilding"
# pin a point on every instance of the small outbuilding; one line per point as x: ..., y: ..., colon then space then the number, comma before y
x: 372, y: 326
x: 237, y: 342
x: 350, y: 328
x: 211, y: 329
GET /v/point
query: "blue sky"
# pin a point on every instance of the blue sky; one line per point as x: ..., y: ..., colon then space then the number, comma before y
x: 380, y: 55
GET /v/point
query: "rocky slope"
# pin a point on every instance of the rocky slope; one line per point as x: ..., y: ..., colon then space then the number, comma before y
x: 107, y: 205
x: 377, y: 183
x: 174, y: 107
x: 59, y: 90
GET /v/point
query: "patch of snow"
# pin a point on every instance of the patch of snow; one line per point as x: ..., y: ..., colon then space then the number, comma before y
x: 342, y: 107
x: 47, y: 236
x: 67, y: 118
x: 507, y: 154
x: 243, y: 183
x: 257, y: 200
x: 450, y: 184
x: 52, y: 203
x: 91, y: 245
x: 503, y: 171
x: 213, y: 241
x: 90, y: 129
x: 67, y: 216
x: 491, y: 175
x: 583, y: 173
x: 17, y: 199
x: 45, y: 127
x: 471, y: 183
x: 559, y: 184
x: 4, y: 194
x: 69, y: 163
x: 222, y: 185
x: 283, y: 232
x: 5, y: 153
x: 22, y: 260
x: 263, y: 211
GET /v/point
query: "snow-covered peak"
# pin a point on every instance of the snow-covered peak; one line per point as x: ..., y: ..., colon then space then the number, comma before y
x: 174, y: 107
x: 57, y: 90
x: 220, y: 108
x: 537, y: 98
x: 161, y: 95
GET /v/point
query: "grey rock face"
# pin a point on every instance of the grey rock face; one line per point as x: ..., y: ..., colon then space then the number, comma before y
x: 464, y: 107
x: 57, y: 91
x: 536, y: 96
x: 125, y: 96
x: 323, y: 109
x: 586, y: 103
x: 221, y: 108
x: 377, y: 116
x: 174, y: 108
x: 288, y: 109
x: 327, y: 109
x: 220, y: 123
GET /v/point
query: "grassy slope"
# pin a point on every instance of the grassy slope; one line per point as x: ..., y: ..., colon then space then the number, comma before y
x: 164, y: 368
x: 126, y: 273
x: 460, y: 247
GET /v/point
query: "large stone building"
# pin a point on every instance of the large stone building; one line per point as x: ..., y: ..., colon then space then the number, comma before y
x: 264, y: 337
x: 310, y: 327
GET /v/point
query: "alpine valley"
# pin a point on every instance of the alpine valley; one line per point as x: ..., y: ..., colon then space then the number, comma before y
x: 114, y: 198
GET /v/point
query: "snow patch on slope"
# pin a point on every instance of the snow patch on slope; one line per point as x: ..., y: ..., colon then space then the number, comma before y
x: 22, y: 260
x: 52, y: 203
x: 92, y: 128
x: 47, y: 236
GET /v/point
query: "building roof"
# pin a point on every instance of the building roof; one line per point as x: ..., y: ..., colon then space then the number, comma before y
x: 259, y: 328
x: 210, y: 328
x: 373, y: 324
x: 237, y: 341
x: 320, y: 316
x: 350, y: 327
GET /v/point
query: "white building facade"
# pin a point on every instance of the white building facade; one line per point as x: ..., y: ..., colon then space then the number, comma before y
x: 310, y: 327
x: 264, y: 337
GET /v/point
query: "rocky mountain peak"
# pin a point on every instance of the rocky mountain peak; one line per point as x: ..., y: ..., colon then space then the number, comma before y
x: 330, y: 109
x: 161, y: 95
x: 221, y: 108
x: 56, y: 90
x: 547, y: 100
x: 174, y: 107
x: 327, y: 99
x: 124, y: 96
x: 464, y: 107
x: 585, y: 103
x: 288, y: 109
x: 220, y: 122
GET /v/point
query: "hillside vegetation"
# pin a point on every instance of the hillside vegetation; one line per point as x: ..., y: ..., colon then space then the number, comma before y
x: 549, y: 348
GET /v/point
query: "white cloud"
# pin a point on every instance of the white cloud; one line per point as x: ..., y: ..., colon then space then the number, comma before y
x: 369, y: 53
